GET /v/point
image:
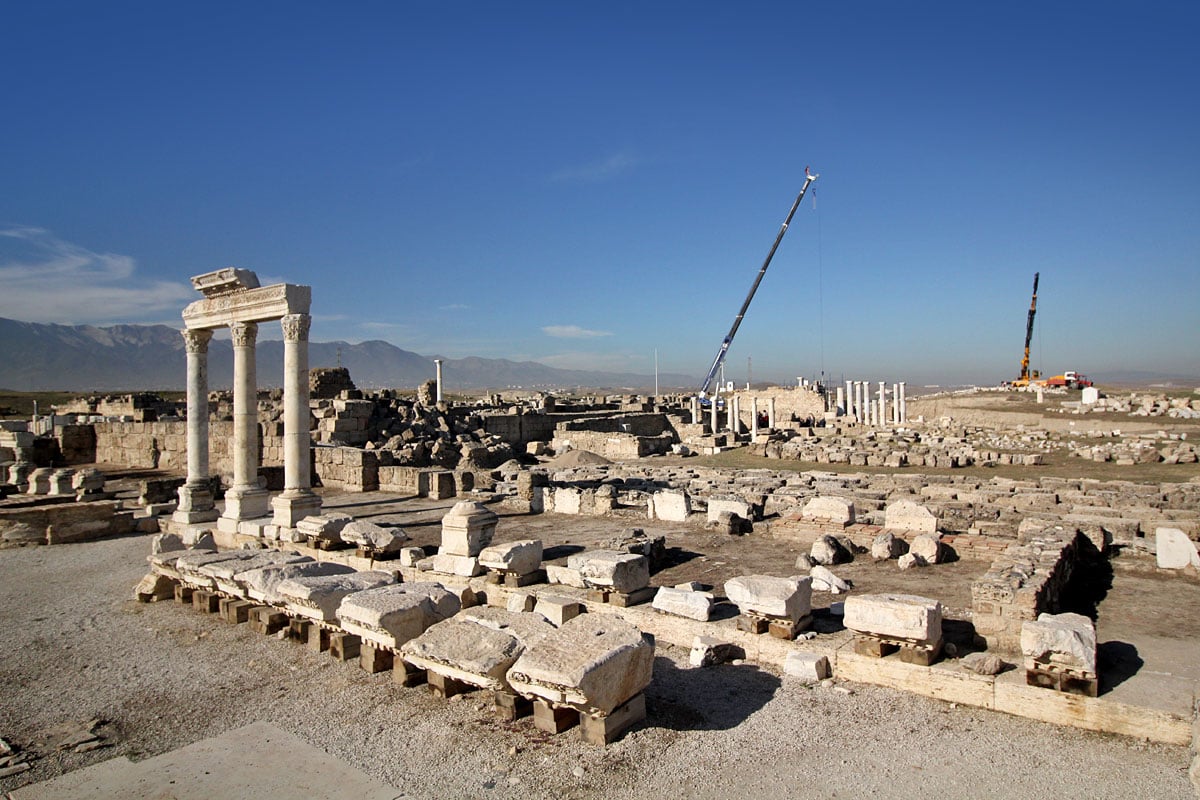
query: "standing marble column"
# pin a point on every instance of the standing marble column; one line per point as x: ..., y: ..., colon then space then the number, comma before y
x: 771, y: 413
x: 895, y: 404
x: 245, y: 500
x: 712, y: 406
x: 882, y: 412
x: 734, y: 415
x: 753, y: 418
x: 438, y: 396
x: 695, y: 404
x: 849, y: 398
x: 858, y: 405
x: 840, y: 403
x: 298, y: 500
x: 903, y: 409
x: 195, y: 496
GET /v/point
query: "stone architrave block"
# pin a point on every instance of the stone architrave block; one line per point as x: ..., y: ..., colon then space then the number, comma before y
x: 786, y: 598
x: 374, y: 537
x: 188, y: 565
x: 808, y: 667
x: 477, y: 646
x: 1174, y: 550
x: 731, y: 504
x: 594, y: 662
x: 468, y: 528
x: 829, y: 509
x: 319, y: 597
x: 391, y: 615
x: 1060, y: 639
x: 905, y: 515
x: 522, y: 557
x: 684, y: 603
x: 672, y: 506
x: 261, y: 584
x: 896, y: 616
x: 224, y: 573
x: 619, y: 572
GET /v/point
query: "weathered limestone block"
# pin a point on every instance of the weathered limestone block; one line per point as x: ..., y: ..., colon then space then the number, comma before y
x: 808, y: 667
x: 829, y: 509
x: 567, y: 500
x: 262, y: 584
x: 1174, y: 550
x: 522, y: 557
x: 888, y: 546
x: 391, y: 615
x: 1067, y: 640
x: 707, y: 651
x: 566, y: 576
x: 905, y: 515
x: 823, y: 580
x: 189, y: 565
x: 166, y: 543
x: 684, y: 603
x: 468, y: 528
x: 319, y: 597
x: 327, y: 526
x: 928, y: 548
x: 672, y: 506
x: 375, y: 538
x: 826, y: 550
x: 223, y: 573
x: 477, y: 647
x: 787, y: 598
x: 898, y: 616
x: 605, y: 569
x: 594, y: 663
x: 733, y: 505
x: 910, y: 560
x: 557, y: 609
x: 451, y: 564
x: 154, y: 586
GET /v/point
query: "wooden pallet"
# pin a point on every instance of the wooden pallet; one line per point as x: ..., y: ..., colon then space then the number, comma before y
x: 510, y: 707
x: 183, y: 594
x: 1062, y: 678
x: 321, y: 543
x: 373, y: 554
x: 778, y: 627
x: 444, y: 687
x: 622, y: 599
x: 205, y: 601
x: 344, y: 646
x: 553, y: 719
x: 373, y: 658
x: 234, y: 610
x: 911, y: 652
x: 405, y: 674
x: 267, y: 620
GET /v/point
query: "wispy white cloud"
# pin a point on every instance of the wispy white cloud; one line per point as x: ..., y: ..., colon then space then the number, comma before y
x: 572, y: 332
x: 46, y: 279
x: 596, y: 171
x: 454, y: 307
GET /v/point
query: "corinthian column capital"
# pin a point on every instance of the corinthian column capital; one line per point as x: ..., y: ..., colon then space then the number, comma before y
x: 295, y: 327
x: 195, y: 340
x: 244, y: 333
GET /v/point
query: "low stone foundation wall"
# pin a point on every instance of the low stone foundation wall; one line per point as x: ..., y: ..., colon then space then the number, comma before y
x: 68, y: 522
x: 1026, y: 580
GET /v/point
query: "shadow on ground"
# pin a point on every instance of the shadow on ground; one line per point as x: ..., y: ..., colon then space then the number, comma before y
x: 706, y: 699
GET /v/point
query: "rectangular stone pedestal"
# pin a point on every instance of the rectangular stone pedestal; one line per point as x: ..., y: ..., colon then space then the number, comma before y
x: 553, y: 719
x: 603, y: 730
x: 290, y: 509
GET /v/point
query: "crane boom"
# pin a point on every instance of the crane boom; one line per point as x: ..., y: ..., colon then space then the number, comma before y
x: 1029, y: 330
x: 737, y: 321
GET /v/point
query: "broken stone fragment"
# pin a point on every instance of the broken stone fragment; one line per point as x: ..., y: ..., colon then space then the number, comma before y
x: 684, y: 603
x: 477, y: 647
x: 166, y: 543
x: 1067, y: 640
x: 829, y: 551
x: 928, y: 548
x: 224, y: 573
x: 327, y: 526
x: 823, y: 580
x: 1174, y: 550
x: 522, y: 557
x: 888, y: 545
x: 566, y: 576
x: 895, y: 616
x: 375, y: 538
x: 462, y: 566
x: 786, y: 598
x: 154, y: 587
x: 808, y: 667
x: 319, y: 597
x: 707, y: 651
x: 189, y: 565
x: 982, y: 663
x: 910, y: 560
x: 605, y: 569
x: 594, y: 663
x: 393, y: 614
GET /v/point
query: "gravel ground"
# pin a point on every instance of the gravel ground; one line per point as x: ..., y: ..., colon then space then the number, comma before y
x: 161, y: 676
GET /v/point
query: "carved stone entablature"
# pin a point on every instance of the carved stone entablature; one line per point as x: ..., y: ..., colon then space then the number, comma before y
x: 264, y: 304
x: 225, y: 281
x: 196, y: 341
x: 295, y: 327
x: 244, y: 334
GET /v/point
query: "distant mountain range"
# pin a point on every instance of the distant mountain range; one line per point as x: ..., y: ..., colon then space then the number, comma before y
x: 39, y: 357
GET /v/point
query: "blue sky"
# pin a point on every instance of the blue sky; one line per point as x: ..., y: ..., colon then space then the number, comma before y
x: 582, y: 184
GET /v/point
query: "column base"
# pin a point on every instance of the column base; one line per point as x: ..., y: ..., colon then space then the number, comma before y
x: 195, y: 505
x: 294, y: 505
x: 246, y: 502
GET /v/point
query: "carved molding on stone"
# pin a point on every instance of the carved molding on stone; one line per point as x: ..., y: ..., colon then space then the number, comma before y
x: 196, y: 340
x: 244, y: 333
x: 295, y: 327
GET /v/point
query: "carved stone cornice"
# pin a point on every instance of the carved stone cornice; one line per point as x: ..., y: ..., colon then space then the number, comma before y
x: 295, y: 327
x: 195, y: 340
x: 244, y: 333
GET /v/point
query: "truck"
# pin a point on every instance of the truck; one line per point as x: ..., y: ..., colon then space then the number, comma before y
x: 1069, y: 380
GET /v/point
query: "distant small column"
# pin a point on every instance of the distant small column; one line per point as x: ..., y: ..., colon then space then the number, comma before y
x: 244, y: 500
x: 882, y: 411
x: 438, y: 396
x: 734, y: 415
x: 695, y: 409
x: 195, y: 496
x: 298, y: 499
x: 753, y: 418
x: 712, y: 407
x: 771, y: 413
